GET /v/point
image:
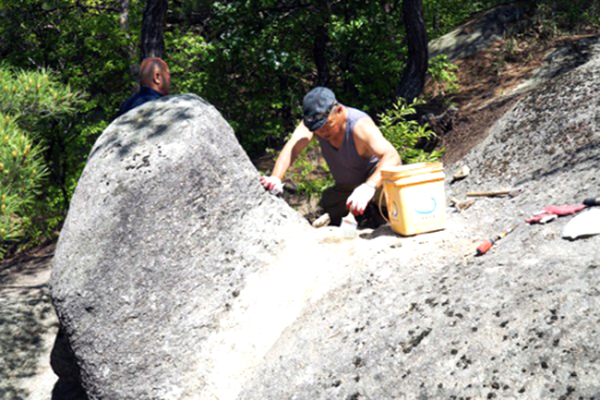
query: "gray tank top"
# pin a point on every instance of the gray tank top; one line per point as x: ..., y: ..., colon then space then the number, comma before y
x: 348, y: 168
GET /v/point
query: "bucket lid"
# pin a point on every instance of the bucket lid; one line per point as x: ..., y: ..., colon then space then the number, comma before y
x: 404, y: 171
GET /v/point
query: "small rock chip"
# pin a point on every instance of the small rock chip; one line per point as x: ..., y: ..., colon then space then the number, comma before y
x: 462, y: 173
x: 322, y: 221
x: 462, y: 205
x: 396, y: 245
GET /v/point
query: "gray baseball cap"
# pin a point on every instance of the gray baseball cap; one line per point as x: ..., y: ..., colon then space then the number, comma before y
x: 317, y: 105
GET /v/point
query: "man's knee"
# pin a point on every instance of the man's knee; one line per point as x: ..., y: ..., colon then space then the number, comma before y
x: 333, y: 202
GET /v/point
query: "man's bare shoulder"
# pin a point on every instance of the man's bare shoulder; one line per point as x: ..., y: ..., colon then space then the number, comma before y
x: 365, y: 128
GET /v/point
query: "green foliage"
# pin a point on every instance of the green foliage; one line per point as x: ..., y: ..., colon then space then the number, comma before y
x: 405, y: 134
x: 544, y: 20
x: 310, y: 173
x: 442, y: 16
x: 553, y: 18
x: 84, y: 44
x: 81, y: 41
x: 29, y: 102
x: 314, y: 186
x: 443, y: 75
x: 21, y: 176
x: 188, y: 55
x: 368, y: 53
x: 260, y: 57
x: 256, y: 70
x: 261, y: 60
x: 591, y: 15
x: 34, y: 97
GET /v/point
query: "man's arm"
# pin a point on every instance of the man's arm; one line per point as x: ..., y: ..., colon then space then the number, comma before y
x: 298, y: 142
x: 370, y: 142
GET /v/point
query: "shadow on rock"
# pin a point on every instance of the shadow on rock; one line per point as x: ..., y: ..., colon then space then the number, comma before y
x: 62, y: 359
x: 140, y: 119
x: 384, y: 230
x: 25, y: 265
x: 21, y: 336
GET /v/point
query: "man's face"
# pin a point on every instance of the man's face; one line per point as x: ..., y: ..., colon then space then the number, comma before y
x: 331, y: 126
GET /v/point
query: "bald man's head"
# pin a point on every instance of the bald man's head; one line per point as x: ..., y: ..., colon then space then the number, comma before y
x: 154, y: 73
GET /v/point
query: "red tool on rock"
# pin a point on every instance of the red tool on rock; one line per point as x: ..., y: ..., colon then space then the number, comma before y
x: 548, y: 214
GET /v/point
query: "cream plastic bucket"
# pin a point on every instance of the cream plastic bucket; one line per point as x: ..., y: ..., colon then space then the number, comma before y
x: 415, y: 197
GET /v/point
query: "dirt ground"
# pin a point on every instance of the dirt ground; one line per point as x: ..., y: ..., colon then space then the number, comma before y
x: 28, y: 324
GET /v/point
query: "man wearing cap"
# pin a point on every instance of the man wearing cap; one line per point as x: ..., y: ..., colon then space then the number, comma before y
x: 352, y: 145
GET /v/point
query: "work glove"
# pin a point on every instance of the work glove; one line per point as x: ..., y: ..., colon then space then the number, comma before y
x: 547, y: 214
x: 272, y: 184
x: 360, y: 198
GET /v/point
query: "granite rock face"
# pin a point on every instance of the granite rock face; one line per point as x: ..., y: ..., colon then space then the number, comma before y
x: 423, y: 321
x: 548, y: 143
x: 168, y: 229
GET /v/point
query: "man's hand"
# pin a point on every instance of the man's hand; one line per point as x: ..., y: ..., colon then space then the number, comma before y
x: 360, y: 198
x: 272, y: 184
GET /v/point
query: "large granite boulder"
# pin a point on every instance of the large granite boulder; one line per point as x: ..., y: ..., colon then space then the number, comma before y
x: 168, y: 235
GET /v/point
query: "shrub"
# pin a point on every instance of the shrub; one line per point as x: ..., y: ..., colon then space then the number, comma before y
x: 405, y: 134
x: 309, y: 174
x: 29, y: 103
x: 22, y: 172
x: 443, y: 75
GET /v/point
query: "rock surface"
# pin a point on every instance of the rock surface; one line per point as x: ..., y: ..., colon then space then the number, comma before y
x: 169, y: 236
x: 478, y: 34
x: 421, y: 321
x: 559, y: 61
x: 177, y: 277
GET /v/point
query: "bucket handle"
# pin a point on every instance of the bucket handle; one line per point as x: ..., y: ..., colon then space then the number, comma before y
x: 380, y: 209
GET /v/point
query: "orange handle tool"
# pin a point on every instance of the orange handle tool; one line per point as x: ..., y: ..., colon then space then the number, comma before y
x: 484, y: 247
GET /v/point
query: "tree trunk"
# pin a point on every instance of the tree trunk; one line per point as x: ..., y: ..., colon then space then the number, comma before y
x: 413, y: 80
x: 320, y: 46
x: 153, y: 43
